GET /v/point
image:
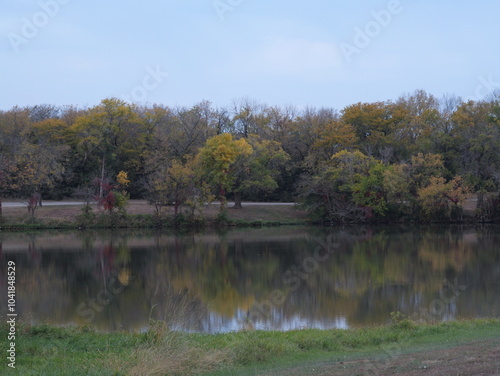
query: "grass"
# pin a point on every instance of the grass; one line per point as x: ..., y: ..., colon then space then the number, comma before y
x: 50, y: 350
x: 141, y: 215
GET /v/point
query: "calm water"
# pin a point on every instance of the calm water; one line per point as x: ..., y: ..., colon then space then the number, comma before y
x: 278, y: 278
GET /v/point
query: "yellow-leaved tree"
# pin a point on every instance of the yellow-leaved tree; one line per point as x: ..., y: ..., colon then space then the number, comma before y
x: 220, y: 161
x: 443, y: 200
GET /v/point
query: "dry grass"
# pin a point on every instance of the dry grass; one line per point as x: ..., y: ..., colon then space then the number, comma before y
x: 68, y: 214
x: 174, y: 360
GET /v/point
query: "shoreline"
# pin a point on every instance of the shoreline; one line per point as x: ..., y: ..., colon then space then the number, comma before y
x: 139, y: 214
x: 48, y: 349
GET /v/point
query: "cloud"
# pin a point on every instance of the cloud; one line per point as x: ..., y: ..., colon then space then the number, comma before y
x: 300, y: 58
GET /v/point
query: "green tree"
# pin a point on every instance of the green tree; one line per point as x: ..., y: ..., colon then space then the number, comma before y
x: 174, y: 184
x: 259, y: 170
x: 374, y: 124
x: 403, y: 182
x: 418, y: 120
x: 105, y: 140
x: 476, y: 141
x: 368, y: 191
x: 220, y: 162
x: 349, y: 189
x: 335, y: 136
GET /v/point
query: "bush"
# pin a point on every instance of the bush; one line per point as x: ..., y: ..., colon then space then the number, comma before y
x: 86, y: 218
x: 401, y: 321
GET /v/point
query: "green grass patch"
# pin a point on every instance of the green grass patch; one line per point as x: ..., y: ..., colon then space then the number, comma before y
x: 50, y: 350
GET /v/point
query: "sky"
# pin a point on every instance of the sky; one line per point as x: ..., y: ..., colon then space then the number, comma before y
x: 320, y: 53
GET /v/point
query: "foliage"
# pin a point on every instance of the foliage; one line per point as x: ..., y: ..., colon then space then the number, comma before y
x: 439, y: 199
x: 221, y: 160
x: 86, y: 218
x: 332, y: 138
x: 176, y: 185
x: 397, y: 184
x: 260, y: 169
x: 122, y: 179
x: 350, y: 189
x: 401, y: 321
x: 386, y: 155
x: 369, y: 192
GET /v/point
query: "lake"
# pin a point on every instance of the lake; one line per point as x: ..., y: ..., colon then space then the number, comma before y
x: 280, y: 278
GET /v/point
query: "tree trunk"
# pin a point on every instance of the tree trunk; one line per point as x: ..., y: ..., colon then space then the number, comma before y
x: 39, y: 195
x: 0, y: 206
x: 237, y: 200
x: 222, y: 197
x: 102, y: 178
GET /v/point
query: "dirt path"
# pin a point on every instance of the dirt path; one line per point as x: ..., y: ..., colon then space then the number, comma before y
x: 471, y: 359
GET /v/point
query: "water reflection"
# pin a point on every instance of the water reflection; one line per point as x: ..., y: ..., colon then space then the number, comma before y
x: 274, y: 278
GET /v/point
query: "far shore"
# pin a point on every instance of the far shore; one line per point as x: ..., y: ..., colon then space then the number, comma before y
x: 67, y: 214
x: 64, y: 214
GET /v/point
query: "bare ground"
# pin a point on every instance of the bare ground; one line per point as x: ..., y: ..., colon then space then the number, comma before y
x: 473, y: 358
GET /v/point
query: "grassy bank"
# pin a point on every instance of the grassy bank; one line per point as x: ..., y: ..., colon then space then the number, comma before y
x: 48, y: 350
x: 142, y: 215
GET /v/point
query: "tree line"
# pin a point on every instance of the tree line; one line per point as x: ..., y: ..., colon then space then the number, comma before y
x: 417, y: 156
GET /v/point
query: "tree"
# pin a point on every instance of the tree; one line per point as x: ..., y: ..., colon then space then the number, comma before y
x: 423, y: 168
x: 374, y: 124
x: 369, y: 192
x: 476, y: 141
x: 297, y: 133
x: 258, y: 172
x: 113, y: 195
x: 418, y: 123
x: 48, y: 139
x: 250, y: 117
x: 43, y: 112
x: 349, y: 189
x: 335, y: 136
x: 15, y: 126
x: 441, y: 199
x: 396, y: 182
x: 403, y: 182
x: 30, y: 160
x: 171, y: 184
x: 108, y: 138
x: 220, y: 162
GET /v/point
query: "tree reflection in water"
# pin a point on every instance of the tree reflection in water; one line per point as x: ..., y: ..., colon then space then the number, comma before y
x: 211, y: 281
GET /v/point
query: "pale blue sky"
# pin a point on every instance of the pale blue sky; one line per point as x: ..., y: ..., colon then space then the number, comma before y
x: 274, y: 51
